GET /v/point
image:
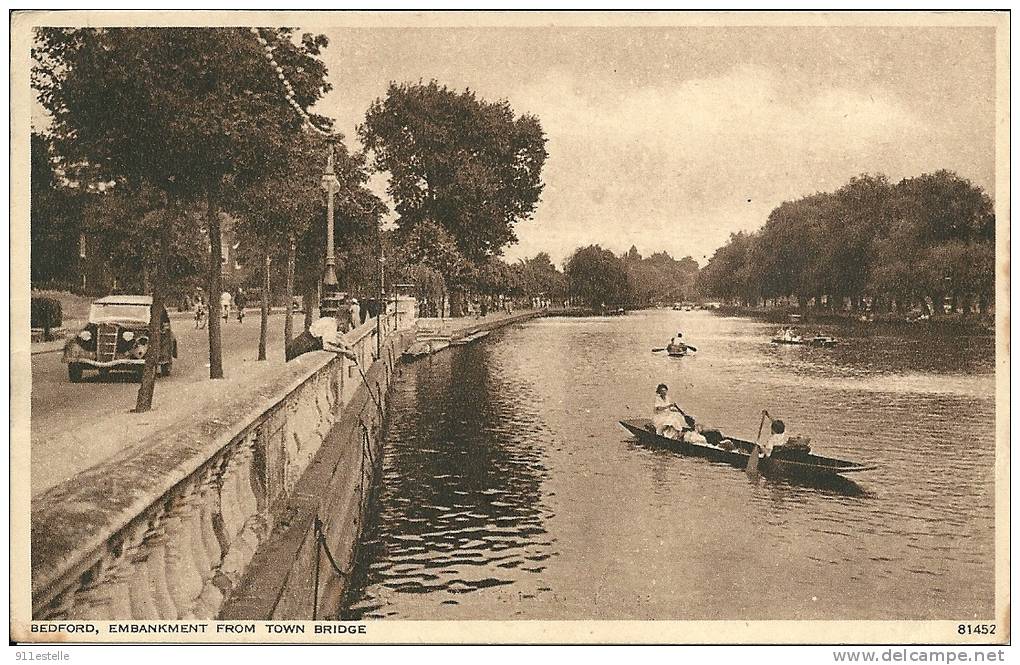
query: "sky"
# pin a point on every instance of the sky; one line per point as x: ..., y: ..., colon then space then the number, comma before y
x: 671, y: 138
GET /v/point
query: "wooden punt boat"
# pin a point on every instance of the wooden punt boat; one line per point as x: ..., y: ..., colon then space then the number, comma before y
x: 796, y: 464
x: 469, y: 338
x: 425, y: 347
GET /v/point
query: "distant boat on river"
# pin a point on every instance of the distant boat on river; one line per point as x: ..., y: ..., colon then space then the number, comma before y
x: 796, y: 340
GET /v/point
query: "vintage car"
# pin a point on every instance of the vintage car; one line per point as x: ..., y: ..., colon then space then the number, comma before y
x: 117, y: 338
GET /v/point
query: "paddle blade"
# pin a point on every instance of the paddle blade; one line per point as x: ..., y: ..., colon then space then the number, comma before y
x: 657, y: 350
x: 752, y: 461
x: 692, y: 348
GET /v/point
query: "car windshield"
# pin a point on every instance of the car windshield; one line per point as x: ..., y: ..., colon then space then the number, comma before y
x: 118, y: 311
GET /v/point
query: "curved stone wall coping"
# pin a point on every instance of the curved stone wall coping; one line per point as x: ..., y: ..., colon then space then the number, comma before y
x: 72, y: 521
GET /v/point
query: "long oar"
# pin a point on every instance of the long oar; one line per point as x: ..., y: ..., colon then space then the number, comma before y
x: 657, y: 350
x: 752, y: 461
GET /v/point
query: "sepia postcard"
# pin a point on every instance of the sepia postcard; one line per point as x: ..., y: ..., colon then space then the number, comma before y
x: 521, y: 327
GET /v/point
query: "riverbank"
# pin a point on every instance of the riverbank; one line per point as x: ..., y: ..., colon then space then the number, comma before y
x: 232, y: 508
x: 947, y: 324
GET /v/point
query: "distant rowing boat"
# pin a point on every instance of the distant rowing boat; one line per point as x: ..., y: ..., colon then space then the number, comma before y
x: 806, y: 341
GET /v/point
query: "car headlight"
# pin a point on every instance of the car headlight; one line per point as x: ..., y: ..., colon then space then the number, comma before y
x: 128, y: 335
x: 143, y: 340
x: 84, y: 335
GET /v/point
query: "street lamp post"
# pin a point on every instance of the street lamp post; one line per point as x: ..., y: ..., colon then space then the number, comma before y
x: 329, y: 304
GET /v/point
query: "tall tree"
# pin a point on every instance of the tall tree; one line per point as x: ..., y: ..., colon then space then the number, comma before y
x: 598, y: 278
x: 188, y: 111
x: 285, y: 203
x: 469, y: 165
x: 56, y: 212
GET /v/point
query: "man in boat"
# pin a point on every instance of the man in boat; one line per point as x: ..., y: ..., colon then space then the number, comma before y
x: 778, y: 439
x: 670, y: 421
x: 676, y: 344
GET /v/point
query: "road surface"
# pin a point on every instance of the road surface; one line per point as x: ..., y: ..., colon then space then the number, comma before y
x: 59, y: 406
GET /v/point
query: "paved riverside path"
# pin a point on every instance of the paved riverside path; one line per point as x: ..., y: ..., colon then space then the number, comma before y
x: 77, y: 425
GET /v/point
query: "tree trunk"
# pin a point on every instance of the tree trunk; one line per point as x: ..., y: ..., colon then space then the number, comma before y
x: 215, y: 287
x: 457, y: 298
x: 143, y: 402
x: 288, y: 321
x: 309, y: 298
x: 264, y: 328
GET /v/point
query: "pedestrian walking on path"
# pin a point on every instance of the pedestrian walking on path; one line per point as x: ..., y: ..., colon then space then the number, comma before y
x: 225, y: 305
x: 240, y: 301
x: 200, y: 313
x: 355, y: 311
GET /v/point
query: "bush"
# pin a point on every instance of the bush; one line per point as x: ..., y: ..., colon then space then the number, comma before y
x: 46, y: 314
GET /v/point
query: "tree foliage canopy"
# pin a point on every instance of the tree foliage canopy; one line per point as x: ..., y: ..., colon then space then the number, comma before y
x: 598, y: 278
x: 659, y: 278
x: 56, y: 219
x: 922, y: 238
x: 178, y: 108
x: 469, y: 165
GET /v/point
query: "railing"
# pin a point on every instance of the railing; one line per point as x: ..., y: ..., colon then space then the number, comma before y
x: 168, y: 533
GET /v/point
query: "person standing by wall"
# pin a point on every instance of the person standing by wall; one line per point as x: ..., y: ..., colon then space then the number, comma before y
x: 355, y: 313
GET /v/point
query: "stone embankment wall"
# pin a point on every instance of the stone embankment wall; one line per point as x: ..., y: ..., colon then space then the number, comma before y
x: 303, y: 569
x: 250, y: 514
x: 169, y: 529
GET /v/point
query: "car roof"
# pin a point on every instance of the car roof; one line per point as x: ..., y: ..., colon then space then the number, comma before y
x: 124, y: 300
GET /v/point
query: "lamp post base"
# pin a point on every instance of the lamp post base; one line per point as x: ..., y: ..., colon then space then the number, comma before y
x: 331, y: 301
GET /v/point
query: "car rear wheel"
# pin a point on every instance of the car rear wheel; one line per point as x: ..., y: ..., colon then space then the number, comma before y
x: 74, y: 372
x: 167, y: 367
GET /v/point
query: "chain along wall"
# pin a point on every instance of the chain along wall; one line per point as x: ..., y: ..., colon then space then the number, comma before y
x: 184, y: 526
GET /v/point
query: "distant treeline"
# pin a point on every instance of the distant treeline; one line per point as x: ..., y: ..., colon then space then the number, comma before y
x: 922, y: 242
x: 598, y: 278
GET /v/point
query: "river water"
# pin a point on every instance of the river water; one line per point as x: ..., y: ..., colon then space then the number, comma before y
x: 509, y: 490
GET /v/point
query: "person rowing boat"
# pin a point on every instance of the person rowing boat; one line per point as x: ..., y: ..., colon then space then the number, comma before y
x: 676, y: 345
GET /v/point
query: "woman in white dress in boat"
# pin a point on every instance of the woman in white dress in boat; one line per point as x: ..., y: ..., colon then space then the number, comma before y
x: 670, y: 421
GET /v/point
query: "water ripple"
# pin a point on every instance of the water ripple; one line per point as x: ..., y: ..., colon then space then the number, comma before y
x: 509, y: 491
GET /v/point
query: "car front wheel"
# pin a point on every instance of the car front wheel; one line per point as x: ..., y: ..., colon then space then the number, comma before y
x: 74, y: 372
x: 168, y: 367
